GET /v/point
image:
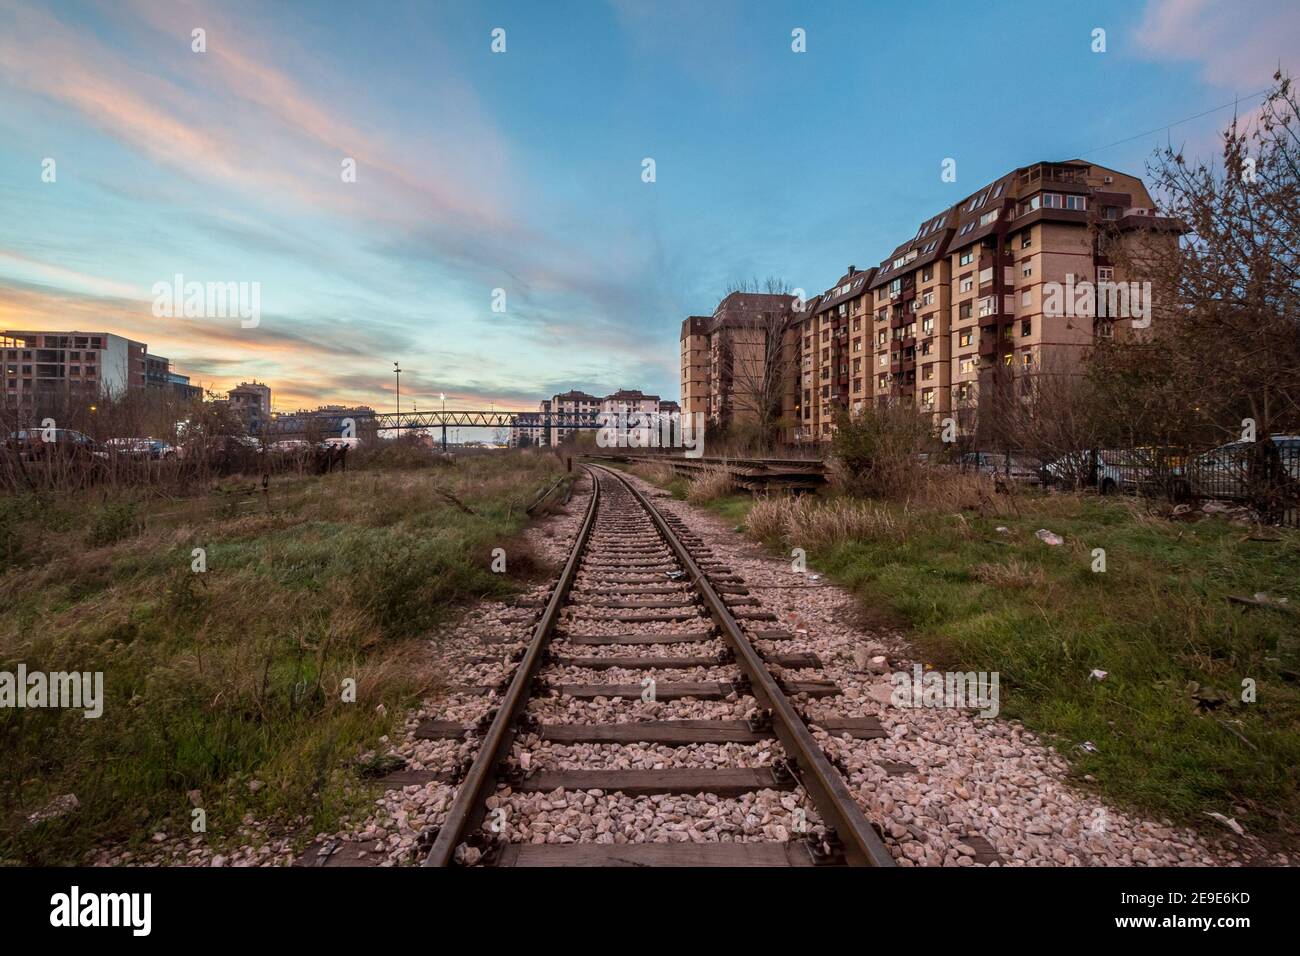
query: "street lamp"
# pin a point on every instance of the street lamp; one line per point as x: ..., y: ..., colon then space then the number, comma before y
x: 397, y: 371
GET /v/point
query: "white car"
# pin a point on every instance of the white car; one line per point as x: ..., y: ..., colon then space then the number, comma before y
x: 997, y: 464
x: 1225, y: 472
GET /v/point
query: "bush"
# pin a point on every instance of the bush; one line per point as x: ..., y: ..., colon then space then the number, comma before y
x: 876, y: 453
x: 113, y: 523
x: 816, y: 525
x: 713, y: 483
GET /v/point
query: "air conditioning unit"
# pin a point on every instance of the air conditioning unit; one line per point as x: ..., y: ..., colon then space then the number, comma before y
x: 1108, y: 180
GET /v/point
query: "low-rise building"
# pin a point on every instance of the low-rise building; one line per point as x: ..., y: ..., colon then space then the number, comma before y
x: 251, y: 401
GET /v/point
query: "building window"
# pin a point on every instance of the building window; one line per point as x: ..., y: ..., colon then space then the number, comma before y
x: 966, y: 258
x: 1026, y: 328
x: 967, y: 284
x: 927, y: 372
x: 967, y: 366
x: 1026, y: 358
x: 1076, y: 202
x: 1027, y: 268
x: 927, y: 273
x: 964, y: 311
x: 927, y: 324
x: 1026, y: 239
x: 1105, y: 274
x: 965, y: 338
x: 1026, y: 297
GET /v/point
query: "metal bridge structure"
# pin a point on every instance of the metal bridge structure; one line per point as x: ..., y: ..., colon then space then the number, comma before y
x: 327, y: 422
x: 336, y: 424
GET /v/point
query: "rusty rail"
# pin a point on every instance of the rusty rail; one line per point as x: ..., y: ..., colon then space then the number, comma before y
x: 861, y: 844
x: 468, y: 808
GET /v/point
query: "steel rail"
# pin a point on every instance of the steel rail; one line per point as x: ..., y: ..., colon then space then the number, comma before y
x: 468, y: 808
x: 861, y: 844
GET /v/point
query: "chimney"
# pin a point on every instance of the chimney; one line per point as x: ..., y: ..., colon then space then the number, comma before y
x: 853, y: 270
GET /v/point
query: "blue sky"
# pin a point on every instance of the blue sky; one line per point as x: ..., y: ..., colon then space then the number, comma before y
x: 522, y: 170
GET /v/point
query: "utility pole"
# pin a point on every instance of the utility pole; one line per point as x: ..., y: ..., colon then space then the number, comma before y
x: 397, y: 371
x: 443, y: 396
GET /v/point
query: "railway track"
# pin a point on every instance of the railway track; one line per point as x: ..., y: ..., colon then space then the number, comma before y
x: 638, y: 596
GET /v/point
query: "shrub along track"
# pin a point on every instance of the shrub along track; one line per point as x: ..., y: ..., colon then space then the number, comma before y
x: 637, y: 593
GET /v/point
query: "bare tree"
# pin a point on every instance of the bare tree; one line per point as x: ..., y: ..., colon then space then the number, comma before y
x: 1226, y: 335
x: 755, y: 366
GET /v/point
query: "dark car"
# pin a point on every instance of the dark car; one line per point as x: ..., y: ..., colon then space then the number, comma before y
x: 142, y: 449
x: 40, y: 444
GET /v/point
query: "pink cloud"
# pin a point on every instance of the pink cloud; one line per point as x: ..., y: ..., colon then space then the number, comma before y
x: 1237, y: 45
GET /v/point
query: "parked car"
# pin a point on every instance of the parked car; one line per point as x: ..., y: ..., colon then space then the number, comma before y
x: 1231, y: 470
x: 1000, y: 465
x: 30, y: 444
x: 143, y: 449
x: 349, y: 443
x: 1146, y: 469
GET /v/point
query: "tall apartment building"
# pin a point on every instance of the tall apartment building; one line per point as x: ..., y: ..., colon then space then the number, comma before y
x: 832, y: 335
x: 953, y: 318
x: 959, y: 317
x: 728, y: 360
x: 696, y: 348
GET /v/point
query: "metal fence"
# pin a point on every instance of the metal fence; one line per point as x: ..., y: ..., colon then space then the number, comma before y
x: 1264, y: 476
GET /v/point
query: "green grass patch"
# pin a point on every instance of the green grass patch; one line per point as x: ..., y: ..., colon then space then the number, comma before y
x: 237, y: 674
x: 1173, y: 733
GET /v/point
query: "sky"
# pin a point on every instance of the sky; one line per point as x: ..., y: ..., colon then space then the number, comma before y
x: 516, y: 179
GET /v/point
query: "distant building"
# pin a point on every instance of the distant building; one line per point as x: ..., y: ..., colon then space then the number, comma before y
x: 251, y: 401
x: 527, y: 431
x: 531, y: 428
x: 571, y: 402
x: 44, y: 368
x: 180, y: 384
x: 41, y: 366
x: 326, y: 421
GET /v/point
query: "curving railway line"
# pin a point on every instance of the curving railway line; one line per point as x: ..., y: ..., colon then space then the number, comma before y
x: 633, y: 579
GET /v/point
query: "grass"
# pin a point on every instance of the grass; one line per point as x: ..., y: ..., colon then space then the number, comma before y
x: 215, y: 680
x: 1172, y: 732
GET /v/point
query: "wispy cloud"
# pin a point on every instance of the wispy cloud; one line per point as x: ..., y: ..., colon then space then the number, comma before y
x: 1236, y: 45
